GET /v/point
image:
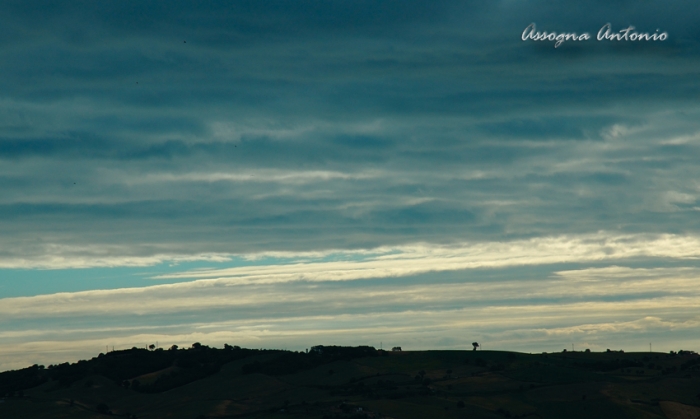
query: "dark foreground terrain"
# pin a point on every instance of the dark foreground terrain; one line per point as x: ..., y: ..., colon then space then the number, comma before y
x: 340, y: 382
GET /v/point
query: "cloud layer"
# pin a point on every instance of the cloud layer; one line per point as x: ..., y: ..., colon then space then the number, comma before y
x: 597, y: 291
x: 344, y: 149
x: 244, y: 128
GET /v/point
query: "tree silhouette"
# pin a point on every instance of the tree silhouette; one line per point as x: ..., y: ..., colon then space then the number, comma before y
x: 475, y: 345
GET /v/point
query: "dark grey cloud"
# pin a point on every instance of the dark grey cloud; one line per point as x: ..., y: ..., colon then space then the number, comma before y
x: 302, y: 125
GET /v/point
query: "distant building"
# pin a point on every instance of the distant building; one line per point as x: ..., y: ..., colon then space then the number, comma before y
x: 396, y: 349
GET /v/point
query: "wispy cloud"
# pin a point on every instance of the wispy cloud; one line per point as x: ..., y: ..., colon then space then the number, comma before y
x: 386, y: 261
x: 255, y: 176
x: 534, y: 307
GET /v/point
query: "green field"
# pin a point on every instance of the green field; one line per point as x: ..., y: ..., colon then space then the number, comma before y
x: 334, y: 382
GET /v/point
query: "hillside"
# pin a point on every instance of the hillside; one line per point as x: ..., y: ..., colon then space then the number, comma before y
x: 360, y: 382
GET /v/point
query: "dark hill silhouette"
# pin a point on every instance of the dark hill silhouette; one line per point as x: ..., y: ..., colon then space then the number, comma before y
x: 191, y: 364
x: 358, y: 382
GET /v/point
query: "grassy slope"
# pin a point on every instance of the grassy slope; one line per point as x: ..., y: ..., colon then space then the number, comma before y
x: 434, y: 384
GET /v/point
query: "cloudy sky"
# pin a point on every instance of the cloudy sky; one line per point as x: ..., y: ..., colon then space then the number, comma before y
x: 283, y: 174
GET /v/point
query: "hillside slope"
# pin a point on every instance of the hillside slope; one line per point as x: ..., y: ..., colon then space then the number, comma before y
x: 341, y: 382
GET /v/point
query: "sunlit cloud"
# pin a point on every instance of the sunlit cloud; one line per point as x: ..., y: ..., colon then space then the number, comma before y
x: 377, y: 262
x: 591, y: 305
x: 535, y: 327
x: 423, y: 258
x: 256, y: 176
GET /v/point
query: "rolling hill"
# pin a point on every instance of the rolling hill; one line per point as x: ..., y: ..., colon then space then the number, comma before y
x: 356, y: 382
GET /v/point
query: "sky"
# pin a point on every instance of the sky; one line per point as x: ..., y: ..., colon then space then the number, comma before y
x: 283, y: 174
